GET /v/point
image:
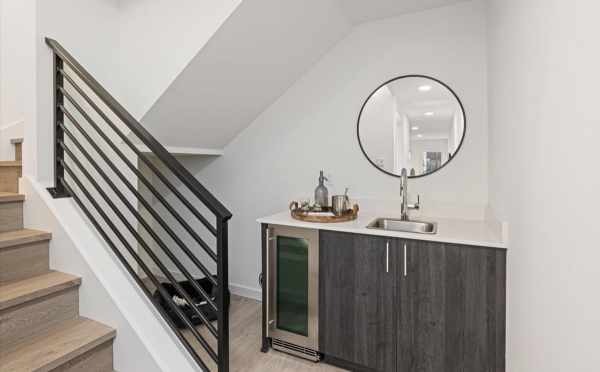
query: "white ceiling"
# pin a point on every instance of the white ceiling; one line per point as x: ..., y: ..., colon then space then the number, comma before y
x: 359, y: 11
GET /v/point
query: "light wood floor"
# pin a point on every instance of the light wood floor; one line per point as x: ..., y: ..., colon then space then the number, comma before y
x: 244, y: 344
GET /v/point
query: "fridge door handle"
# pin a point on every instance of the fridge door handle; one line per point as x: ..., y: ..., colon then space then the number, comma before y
x: 268, y: 240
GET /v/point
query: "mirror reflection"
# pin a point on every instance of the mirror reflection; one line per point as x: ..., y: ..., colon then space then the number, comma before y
x: 412, y: 122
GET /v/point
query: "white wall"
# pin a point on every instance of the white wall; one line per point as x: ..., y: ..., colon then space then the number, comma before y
x: 1, y: 33
x: 313, y: 126
x: 7, y: 133
x: 77, y: 26
x: 17, y: 82
x: 544, y: 180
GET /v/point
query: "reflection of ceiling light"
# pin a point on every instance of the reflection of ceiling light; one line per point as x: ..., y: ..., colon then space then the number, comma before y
x: 429, y: 113
x: 415, y: 128
x: 425, y: 88
x: 419, y: 135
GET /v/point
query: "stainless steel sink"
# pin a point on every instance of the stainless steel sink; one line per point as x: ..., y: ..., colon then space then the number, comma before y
x: 392, y: 224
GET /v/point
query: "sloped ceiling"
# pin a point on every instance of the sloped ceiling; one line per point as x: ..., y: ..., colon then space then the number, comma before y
x: 258, y: 53
x: 148, y: 30
x: 253, y: 58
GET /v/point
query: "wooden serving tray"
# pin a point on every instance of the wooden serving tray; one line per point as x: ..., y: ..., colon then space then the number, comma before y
x: 349, y: 215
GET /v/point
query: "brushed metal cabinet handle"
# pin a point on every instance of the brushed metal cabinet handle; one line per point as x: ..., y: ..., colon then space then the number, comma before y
x: 405, y: 262
x: 387, y: 257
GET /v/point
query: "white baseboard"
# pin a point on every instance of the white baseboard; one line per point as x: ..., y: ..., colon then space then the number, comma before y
x: 245, y: 291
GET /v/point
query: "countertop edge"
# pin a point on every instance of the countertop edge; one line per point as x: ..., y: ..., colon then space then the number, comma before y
x: 273, y: 220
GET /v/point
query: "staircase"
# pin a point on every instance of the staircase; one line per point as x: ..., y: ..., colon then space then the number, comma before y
x: 148, y: 209
x: 40, y: 326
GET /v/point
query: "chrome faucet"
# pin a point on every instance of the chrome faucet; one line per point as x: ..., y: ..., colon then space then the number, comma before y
x: 404, y: 207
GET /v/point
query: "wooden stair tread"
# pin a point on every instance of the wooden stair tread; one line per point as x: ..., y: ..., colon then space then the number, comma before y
x: 8, y: 197
x: 23, y: 236
x: 21, y: 291
x: 11, y: 163
x: 56, y: 346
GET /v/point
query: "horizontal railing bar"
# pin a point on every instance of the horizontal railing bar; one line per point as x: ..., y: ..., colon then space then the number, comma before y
x: 148, y: 163
x: 125, y: 262
x: 165, y: 226
x: 142, y: 178
x: 147, y: 249
x: 133, y: 211
x: 167, y: 158
x: 144, y: 245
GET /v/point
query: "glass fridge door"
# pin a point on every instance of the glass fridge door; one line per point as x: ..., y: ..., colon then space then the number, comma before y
x: 292, y: 285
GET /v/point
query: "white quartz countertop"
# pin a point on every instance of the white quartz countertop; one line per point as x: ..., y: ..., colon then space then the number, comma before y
x: 454, y: 231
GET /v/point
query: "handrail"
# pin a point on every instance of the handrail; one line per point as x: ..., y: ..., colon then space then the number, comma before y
x: 86, y: 161
x: 155, y: 147
x: 152, y: 189
x: 140, y: 176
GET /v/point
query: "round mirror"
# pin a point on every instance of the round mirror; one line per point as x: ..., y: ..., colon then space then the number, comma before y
x: 414, y: 122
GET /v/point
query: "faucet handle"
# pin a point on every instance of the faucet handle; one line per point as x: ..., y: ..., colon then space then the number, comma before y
x: 417, y: 205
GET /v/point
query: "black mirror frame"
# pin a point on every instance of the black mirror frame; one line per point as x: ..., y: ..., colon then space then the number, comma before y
x: 451, y: 156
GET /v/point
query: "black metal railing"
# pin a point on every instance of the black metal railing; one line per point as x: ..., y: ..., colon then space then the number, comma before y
x: 99, y: 164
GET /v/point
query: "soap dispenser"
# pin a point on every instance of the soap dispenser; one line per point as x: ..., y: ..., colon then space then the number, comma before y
x: 321, y: 193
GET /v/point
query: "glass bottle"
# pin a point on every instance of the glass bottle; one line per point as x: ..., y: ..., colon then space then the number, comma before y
x: 321, y: 193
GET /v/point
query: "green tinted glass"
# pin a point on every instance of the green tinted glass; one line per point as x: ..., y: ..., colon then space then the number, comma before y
x: 292, y: 285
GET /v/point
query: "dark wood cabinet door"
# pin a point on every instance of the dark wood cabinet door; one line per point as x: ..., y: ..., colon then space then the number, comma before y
x: 357, y: 321
x: 451, y: 308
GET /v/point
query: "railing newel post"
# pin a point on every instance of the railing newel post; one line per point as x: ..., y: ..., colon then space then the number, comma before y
x: 59, y: 190
x: 223, y: 293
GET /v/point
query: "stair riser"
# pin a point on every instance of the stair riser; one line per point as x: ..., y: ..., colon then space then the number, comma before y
x: 11, y: 216
x: 22, y: 321
x: 99, y: 359
x: 25, y: 261
x: 9, y: 178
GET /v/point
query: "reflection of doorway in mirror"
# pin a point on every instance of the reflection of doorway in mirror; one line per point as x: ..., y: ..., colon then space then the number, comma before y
x: 431, y: 161
x: 402, y: 148
x: 456, y: 131
x: 421, y: 146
